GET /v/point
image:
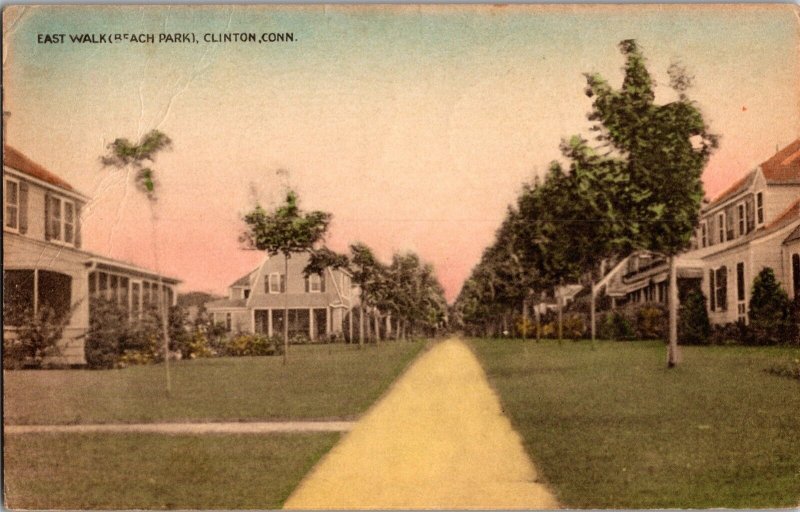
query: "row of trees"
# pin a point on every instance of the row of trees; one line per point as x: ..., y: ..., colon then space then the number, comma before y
x: 636, y: 186
x: 406, y: 290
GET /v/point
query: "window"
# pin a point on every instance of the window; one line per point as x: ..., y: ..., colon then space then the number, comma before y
x: 796, y: 274
x: 729, y: 223
x: 228, y: 321
x: 750, y: 214
x: 60, y: 220
x: 314, y: 283
x: 703, y: 234
x: 11, y: 204
x: 246, y: 293
x: 741, y: 307
x: 721, y: 226
x: 742, y: 220
x: 760, y: 208
x: 27, y: 291
x: 721, y: 279
x: 276, y: 283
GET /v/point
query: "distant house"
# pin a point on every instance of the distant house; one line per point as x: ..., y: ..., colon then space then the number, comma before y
x: 319, y: 306
x: 753, y: 224
x: 44, y: 264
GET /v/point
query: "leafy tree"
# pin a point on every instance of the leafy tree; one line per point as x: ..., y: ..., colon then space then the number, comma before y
x: 285, y: 230
x: 771, y: 318
x: 138, y: 157
x: 660, y: 152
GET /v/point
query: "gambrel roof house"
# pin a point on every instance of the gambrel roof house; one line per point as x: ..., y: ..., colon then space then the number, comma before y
x: 44, y: 264
x: 320, y: 306
x: 753, y: 224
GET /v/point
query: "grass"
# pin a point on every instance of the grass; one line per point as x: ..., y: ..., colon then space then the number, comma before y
x: 146, y: 471
x: 320, y: 381
x: 614, y: 428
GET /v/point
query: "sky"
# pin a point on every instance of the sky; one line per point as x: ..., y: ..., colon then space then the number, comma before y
x: 414, y: 126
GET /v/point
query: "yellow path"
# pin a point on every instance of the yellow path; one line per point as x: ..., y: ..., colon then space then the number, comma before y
x: 438, y: 439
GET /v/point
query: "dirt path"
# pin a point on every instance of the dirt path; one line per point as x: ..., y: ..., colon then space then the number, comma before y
x: 438, y: 440
x: 189, y: 428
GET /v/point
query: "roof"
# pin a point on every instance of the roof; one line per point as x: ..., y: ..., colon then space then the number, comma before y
x: 226, y: 304
x: 789, y: 215
x: 794, y: 235
x: 244, y: 280
x: 782, y: 168
x: 110, y: 263
x: 16, y: 160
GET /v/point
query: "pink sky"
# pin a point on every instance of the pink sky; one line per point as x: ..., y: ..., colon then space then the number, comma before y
x: 415, y: 127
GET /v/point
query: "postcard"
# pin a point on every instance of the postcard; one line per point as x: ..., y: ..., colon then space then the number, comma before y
x: 401, y: 256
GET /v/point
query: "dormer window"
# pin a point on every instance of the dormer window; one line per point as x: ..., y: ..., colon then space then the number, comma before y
x: 314, y: 283
x: 703, y: 234
x: 246, y: 293
x: 60, y: 220
x: 742, y: 220
x: 721, y: 226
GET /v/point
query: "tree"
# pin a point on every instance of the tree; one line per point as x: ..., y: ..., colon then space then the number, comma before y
x: 370, y: 275
x: 694, y: 326
x: 124, y: 154
x: 285, y: 230
x: 662, y: 151
x: 770, y: 310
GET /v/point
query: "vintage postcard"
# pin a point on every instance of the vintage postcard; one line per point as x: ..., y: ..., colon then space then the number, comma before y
x: 401, y: 256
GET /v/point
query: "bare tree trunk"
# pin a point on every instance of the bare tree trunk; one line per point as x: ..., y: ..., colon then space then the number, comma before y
x: 285, y: 307
x: 350, y: 323
x: 164, y: 311
x: 361, y: 325
x: 524, y: 329
x: 389, y: 326
x: 594, y: 323
x: 538, y: 316
x: 377, y: 320
x: 560, y: 320
x: 672, y: 351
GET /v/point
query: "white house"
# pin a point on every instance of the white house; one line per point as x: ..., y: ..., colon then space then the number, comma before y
x: 44, y: 264
x: 319, y: 306
x: 753, y: 224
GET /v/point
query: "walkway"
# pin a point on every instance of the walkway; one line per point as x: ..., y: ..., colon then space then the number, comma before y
x: 437, y: 440
x: 189, y: 428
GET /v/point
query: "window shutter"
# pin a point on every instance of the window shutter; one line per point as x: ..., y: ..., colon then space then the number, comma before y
x: 307, y: 284
x: 283, y: 283
x: 722, y: 284
x: 712, y: 287
x: 322, y: 282
x: 23, y: 207
x: 47, y: 214
x: 77, y: 225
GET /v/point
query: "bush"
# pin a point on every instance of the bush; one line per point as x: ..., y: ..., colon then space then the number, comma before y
x: 37, y: 338
x: 615, y: 326
x: 771, y: 317
x: 252, y: 345
x: 114, y: 339
x: 574, y: 326
x: 650, y: 321
x: 694, y: 327
x: 732, y: 333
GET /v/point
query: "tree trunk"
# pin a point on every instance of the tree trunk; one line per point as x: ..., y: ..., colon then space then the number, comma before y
x: 672, y: 351
x: 165, y: 330
x: 285, y: 307
x: 524, y: 329
x: 593, y: 320
x: 361, y: 325
x: 350, y: 323
x: 560, y: 320
x: 538, y: 316
x: 389, y: 326
x: 377, y: 320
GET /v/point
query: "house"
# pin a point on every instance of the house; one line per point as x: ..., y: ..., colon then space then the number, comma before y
x: 320, y: 306
x: 753, y: 224
x: 44, y: 264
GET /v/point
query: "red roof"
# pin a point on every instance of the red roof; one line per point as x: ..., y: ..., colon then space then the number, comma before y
x: 784, y: 166
x: 781, y: 168
x: 16, y: 160
x: 791, y: 214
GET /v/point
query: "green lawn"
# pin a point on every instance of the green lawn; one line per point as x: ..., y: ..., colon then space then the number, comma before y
x: 320, y: 381
x: 614, y: 428
x: 146, y: 471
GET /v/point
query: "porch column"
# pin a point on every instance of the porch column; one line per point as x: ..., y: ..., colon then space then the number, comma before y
x: 328, y: 320
x: 35, y: 291
x: 269, y: 323
x: 311, y: 331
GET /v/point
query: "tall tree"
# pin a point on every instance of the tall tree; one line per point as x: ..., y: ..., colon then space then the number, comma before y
x: 369, y: 275
x: 138, y: 157
x: 664, y: 149
x: 286, y: 230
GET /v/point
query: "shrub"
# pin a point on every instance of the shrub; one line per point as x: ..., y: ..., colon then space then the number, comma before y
x: 694, y: 327
x: 37, y: 338
x: 650, y: 321
x: 252, y: 345
x: 574, y: 326
x: 771, y: 318
x: 114, y: 339
x: 615, y: 326
x: 732, y: 333
x: 197, y: 345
